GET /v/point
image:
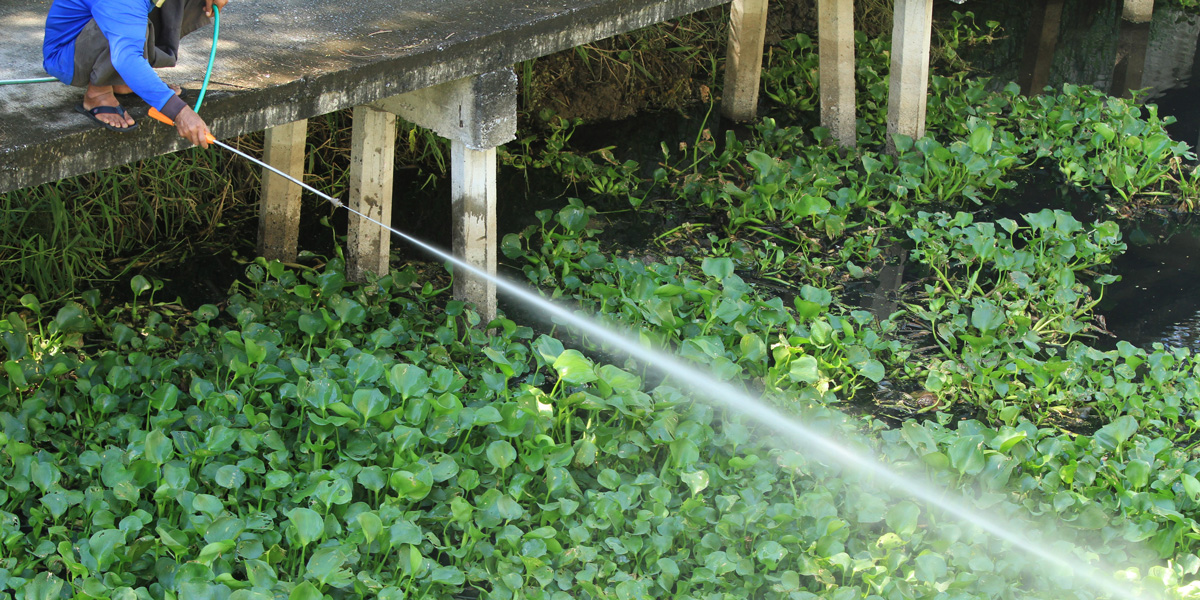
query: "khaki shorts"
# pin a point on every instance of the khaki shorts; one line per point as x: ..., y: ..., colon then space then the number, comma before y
x: 164, y: 27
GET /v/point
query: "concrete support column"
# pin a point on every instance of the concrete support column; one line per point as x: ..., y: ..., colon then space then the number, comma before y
x: 836, y: 38
x: 1040, y: 44
x: 909, y: 85
x: 473, y: 207
x: 372, y: 158
x: 743, y: 62
x: 279, y: 206
x: 476, y: 114
x: 1138, y: 11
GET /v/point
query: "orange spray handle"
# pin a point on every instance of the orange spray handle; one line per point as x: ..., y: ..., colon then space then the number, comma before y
x: 158, y: 116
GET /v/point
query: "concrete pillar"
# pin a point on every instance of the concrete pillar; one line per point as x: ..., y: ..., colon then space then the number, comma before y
x: 1138, y: 11
x: 476, y: 114
x: 279, y: 206
x: 1130, y: 65
x: 473, y: 206
x: 372, y: 158
x: 836, y: 38
x: 909, y: 81
x: 743, y: 62
x: 1040, y: 44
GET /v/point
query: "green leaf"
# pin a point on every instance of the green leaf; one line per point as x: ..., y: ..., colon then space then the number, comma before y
x: 452, y: 576
x: 574, y: 368
x: 609, y: 479
x: 104, y: 544
x: 717, y: 268
x: 226, y: 528
x: 1111, y: 436
x: 770, y: 553
x: 412, y: 485
x: 873, y: 370
x: 986, y: 316
x: 931, y: 567
x: 139, y: 284
x: 903, y: 518
x: 501, y: 454
x: 44, y: 586
x: 72, y: 318
x: 260, y: 574
x: 371, y: 525
x: 369, y: 403
x: 981, y: 138
x: 696, y: 481
x: 277, y: 480
x: 1138, y: 473
x: 309, y: 525
x: 324, y: 564
x: 804, y: 369
x: 1191, y: 486
x: 306, y: 591
x: 208, y: 504
x: 213, y: 551
x: 1042, y: 220
x: 409, y: 381
x: 230, y: 477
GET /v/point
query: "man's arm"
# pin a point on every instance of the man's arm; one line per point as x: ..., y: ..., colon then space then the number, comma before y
x: 123, y: 23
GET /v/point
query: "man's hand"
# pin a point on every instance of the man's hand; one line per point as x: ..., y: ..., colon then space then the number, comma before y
x: 208, y: 4
x: 192, y: 127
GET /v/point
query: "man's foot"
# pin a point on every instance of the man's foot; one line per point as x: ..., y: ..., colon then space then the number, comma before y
x: 103, y: 96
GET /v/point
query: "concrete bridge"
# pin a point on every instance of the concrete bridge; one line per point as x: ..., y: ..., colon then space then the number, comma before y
x: 441, y: 64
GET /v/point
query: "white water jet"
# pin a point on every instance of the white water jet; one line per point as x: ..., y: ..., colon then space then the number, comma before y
x: 797, y: 434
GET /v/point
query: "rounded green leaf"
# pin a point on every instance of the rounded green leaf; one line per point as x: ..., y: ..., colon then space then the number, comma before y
x: 501, y: 454
x: 309, y: 525
x: 371, y: 525
x: 230, y: 477
x: 306, y: 591
x: 408, y: 380
x: 574, y: 368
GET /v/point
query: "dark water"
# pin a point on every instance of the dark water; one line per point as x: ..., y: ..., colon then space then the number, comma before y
x: 1050, y: 42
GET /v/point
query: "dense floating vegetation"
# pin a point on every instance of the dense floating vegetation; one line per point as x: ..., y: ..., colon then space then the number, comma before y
x: 315, y: 438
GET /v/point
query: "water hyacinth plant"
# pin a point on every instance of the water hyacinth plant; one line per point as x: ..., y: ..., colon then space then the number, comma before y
x: 314, y: 438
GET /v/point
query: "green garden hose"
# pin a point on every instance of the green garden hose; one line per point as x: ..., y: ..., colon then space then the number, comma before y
x: 34, y: 80
x: 212, y: 55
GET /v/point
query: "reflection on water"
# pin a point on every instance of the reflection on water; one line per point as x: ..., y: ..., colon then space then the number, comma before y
x: 1158, y: 297
x: 1088, y: 42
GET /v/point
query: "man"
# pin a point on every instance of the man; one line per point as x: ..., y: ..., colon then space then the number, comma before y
x: 113, y: 46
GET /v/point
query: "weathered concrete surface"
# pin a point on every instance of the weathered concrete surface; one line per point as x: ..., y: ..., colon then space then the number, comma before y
x: 372, y: 168
x: 280, y: 61
x: 836, y: 46
x: 743, y: 65
x: 480, y: 111
x: 1138, y: 11
x: 279, y: 205
x: 473, y: 206
x: 908, y: 91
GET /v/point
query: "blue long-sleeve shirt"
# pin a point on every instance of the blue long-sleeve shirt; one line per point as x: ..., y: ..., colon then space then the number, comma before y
x: 123, y: 23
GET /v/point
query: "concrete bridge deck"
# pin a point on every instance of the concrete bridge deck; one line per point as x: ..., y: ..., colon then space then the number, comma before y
x: 280, y: 61
x: 442, y: 64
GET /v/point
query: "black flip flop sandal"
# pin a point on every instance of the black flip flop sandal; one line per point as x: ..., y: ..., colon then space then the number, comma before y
x: 110, y: 110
